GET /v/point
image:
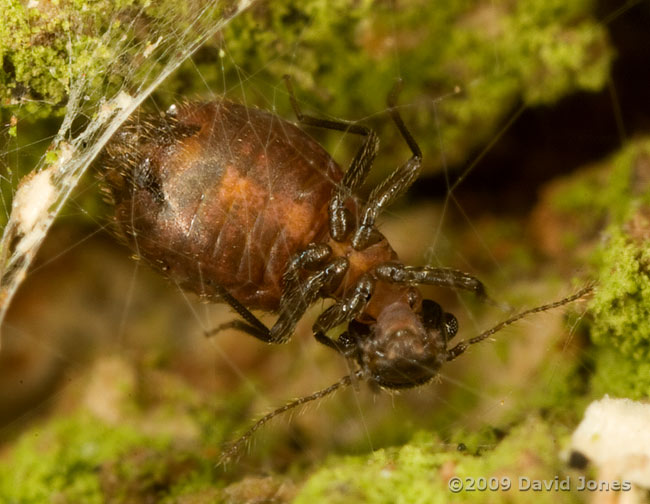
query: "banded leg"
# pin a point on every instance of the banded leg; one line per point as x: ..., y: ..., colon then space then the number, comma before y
x: 396, y: 184
x: 313, y: 257
x: 344, y: 311
x: 295, y: 300
x: 340, y: 220
x: 441, y: 277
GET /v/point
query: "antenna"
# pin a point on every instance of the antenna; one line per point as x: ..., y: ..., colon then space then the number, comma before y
x: 460, y: 348
x: 232, y: 449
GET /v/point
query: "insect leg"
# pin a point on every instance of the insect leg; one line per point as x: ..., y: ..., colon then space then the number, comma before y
x: 441, y: 277
x: 241, y: 326
x: 311, y: 257
x: 398, y: 182
x: 339, y: 216
x: 345, y: 310
x: 250, y: 325
x: 297, y: 299
x: 340, y: 220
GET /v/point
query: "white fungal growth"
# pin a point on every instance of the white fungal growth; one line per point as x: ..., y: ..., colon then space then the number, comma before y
x: 32, y: 201
x: 615, y: 436
x: 120, y: 102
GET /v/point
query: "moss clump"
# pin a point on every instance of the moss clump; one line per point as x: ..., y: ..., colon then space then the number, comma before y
x: 64, y: 460
x: 620, y: 376
x: 612, y: 200
x: 45, y: 47
x: 50, y: 49
x: 553, y: 49
x: 621, y: 314
x: 419, y: 472
x: 134, y: 438
x: 482, y: 57
x: 546, y: 49
x: 621, y: 306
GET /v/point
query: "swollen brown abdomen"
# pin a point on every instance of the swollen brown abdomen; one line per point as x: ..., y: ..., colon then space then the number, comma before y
x: 220, y: 194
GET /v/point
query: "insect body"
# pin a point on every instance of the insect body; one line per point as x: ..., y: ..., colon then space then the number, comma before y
x: 220, y: 197
x: 241, y: 206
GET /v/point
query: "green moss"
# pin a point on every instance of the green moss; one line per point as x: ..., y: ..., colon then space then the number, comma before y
x: 554, y: 48
x: 159, y: 439
x: 482, y: 57
x: 419, y: 471
x: 621, y: 311
x: 333, y: 46
x: 617, y: 192
x: 619, y: 376
x: 50, y: 48
x: 465, y: 64
x: 63, y: 458
x: 46, y: 48
x: 621, y: 306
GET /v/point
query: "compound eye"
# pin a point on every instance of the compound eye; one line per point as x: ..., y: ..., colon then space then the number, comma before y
x: 431, y: 314
x: 451, y: 326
